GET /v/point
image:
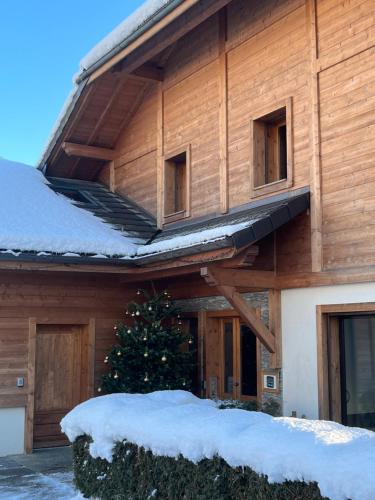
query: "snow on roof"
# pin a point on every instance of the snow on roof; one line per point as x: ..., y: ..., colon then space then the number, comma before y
x: 169, y: 423
x: 192, y: 239
x: 35, y: 218
x: 123, y: 31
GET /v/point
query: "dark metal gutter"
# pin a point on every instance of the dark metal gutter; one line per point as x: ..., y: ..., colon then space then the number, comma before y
x: 242, y: 238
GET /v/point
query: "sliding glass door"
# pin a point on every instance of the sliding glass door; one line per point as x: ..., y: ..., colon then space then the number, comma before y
x: 357, y: 355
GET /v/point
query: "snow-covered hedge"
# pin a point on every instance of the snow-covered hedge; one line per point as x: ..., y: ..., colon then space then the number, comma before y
x: 211, y: 444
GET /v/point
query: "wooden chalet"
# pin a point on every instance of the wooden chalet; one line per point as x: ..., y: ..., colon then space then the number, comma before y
x: 232, y: 141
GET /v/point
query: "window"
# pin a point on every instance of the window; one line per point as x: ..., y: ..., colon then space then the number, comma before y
x: 271, y: 156
x: 176, y: 185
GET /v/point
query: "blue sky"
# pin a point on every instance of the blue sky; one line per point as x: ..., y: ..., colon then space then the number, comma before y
x: 41, y: 44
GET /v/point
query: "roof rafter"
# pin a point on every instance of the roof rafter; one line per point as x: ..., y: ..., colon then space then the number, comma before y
x: 84, y: 151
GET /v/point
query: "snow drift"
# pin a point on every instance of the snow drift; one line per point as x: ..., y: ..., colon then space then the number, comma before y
x: 172, y: 423
x: 35, y: 218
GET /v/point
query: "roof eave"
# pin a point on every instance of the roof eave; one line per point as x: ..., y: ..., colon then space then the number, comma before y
x: 71, y: 260
x: 155, y: 18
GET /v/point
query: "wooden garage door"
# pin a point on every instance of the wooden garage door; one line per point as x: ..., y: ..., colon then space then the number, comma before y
x: 59, y: 380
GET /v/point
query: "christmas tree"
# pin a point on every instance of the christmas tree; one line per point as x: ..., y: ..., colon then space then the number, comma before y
x: 150, y: 354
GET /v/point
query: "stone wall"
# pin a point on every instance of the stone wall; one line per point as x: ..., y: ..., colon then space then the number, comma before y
x: 218, y: 303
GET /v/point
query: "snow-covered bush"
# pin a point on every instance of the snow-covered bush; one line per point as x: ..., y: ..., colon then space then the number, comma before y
x: 270, y: 406
x: 172, y: 445
x: 137, y: 474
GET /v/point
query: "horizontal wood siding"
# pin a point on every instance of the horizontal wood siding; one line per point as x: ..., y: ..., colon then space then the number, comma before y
x: 319, y: 53
x: 53, y: 299
x: 345, y: 28
x: 347, y: 99
x: 13, y: 360
x: 135, y: 169
x: 269, y: 67
x: 191, y: 117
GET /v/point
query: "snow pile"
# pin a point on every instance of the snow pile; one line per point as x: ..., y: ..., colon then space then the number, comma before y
x: 340, y: 459
x: 191, y: 239
x: 35, y: 218
x: 124, y: 30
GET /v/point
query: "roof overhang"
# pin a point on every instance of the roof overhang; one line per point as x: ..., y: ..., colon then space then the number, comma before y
x: 264, y: 218
x: 159, y: 32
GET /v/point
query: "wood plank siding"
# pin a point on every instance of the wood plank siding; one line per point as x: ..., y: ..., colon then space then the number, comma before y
x: 54, y: 299
x: 318, y: 54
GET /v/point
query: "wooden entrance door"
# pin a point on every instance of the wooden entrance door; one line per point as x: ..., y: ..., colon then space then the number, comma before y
x: 239, y: 361
x: 59, y: 380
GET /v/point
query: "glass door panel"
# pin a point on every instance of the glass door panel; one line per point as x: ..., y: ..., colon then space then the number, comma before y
x: 239, y: 361
x: 228, y: 353
x: 248, y: 362
x: 357, y: 345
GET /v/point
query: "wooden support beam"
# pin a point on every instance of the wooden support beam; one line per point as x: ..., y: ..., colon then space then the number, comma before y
x: 84, y: 151
x: 112, y: 177
x: 149, y: 72
x: 246, y: 312
x: 239, y: 277
x: 315, y: 170
x: 274, y: 324
x: 249, y: 316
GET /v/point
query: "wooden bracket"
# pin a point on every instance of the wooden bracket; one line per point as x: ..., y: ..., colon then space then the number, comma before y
x: 245, y: 311
x: 84, y: 151
x: 245, y: 258
x: 245, y: 278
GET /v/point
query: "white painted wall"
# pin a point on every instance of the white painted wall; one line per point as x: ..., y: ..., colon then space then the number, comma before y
x: 299, y: 342
x: 12, y: 431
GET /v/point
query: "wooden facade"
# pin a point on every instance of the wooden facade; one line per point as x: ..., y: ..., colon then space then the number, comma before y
x: 33, y: 306
x: 210, y: 71
x: 219, y: 76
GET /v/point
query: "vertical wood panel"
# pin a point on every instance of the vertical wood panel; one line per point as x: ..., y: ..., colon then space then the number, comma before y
x: 29, y: 425
x: 202, y: 329
x: 315, y: 176
x: 223, y: 112
x: 274, y: 300
x: 160, y: 156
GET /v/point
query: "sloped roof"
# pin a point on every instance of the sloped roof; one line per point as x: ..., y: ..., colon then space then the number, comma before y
x: 119, y: 211
x: 242, y: 227
x: 143, y: 18
x: 79, y: 221
x: 34, y: 218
